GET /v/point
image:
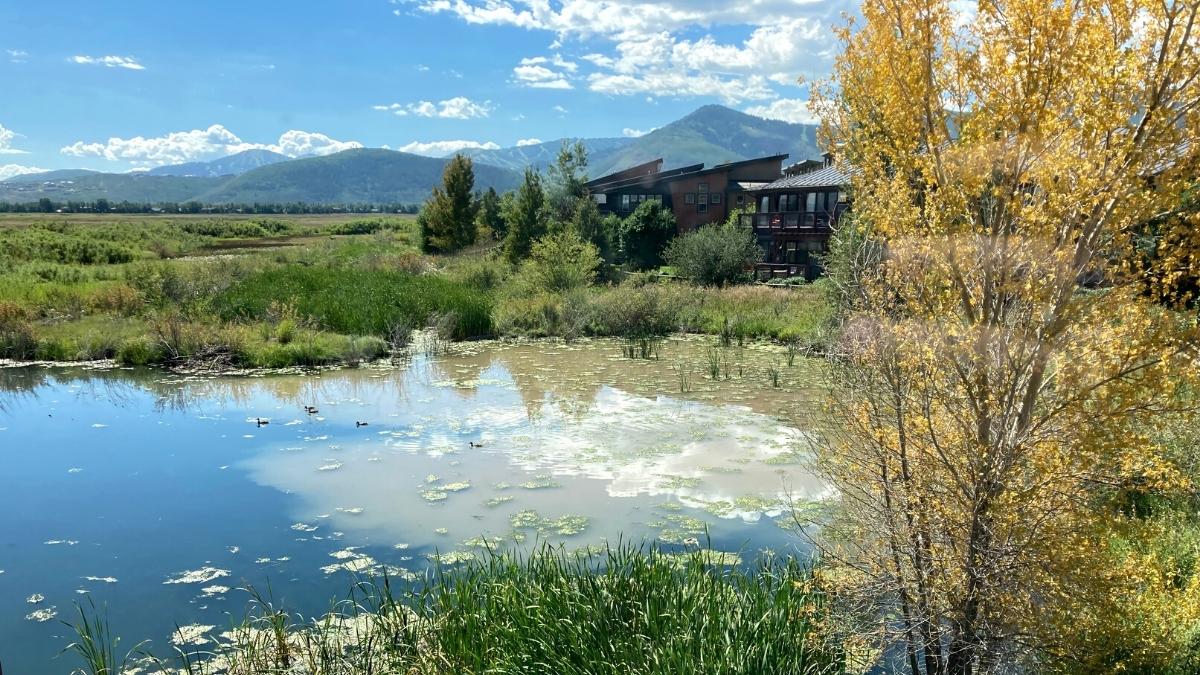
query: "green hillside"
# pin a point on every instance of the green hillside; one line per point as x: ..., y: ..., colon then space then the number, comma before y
x: 352, y: 176
x: 714, y: 134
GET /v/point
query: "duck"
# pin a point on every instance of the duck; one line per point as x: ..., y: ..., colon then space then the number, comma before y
x: 260, y: 422
x: 360, y: 424
x: 473, y: 444
x: 311, y: 410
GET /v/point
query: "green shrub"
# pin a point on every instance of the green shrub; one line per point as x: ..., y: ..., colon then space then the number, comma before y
x: 715, y: 255
x: 559, y: 263
x: 636, y: 311
x: 138, y: 351
x: 645, y: 233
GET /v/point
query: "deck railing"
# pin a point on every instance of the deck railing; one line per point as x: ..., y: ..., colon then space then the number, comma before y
x: 787, y: 220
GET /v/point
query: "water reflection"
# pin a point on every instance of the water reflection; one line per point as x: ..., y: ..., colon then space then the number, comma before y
x: 165, y: 480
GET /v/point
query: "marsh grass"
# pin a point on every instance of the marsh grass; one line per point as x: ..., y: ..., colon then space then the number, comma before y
x: 620, y: 610
x: 645, y: 348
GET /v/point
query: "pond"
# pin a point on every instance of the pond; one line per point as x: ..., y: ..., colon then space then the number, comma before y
x: 161, y: 496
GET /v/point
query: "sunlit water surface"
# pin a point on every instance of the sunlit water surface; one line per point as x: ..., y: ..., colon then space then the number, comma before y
x: 160, y: 496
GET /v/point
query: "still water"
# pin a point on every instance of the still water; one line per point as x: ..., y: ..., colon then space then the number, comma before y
x: 161, y: 496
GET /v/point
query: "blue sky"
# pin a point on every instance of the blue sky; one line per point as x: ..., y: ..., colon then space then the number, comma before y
x: 133, y: 84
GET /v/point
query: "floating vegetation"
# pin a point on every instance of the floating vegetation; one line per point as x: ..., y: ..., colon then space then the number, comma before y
x: 42, y: 615
x: 210, y: 591
x: 451, y: 558
x: 332, y: 466
x: 194, y: 634
x: 35, y: 598
x: 441, y: 530
x: 301, y: 527
x: 350, y: 560
x: 198, y: 576
x: 497, y: 501
x: 61, y: 542
x: 103, y: 580
x: 456, y: 487
x: 434, y: 495
x: 564, y: 526
x: 488, y: 542
x: 354, y: 511
x: 668, y: 482
x: 540, y: 482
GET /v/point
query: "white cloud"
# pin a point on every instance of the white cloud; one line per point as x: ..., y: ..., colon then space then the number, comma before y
x: 528, y: 141
x: 634, y: 133
x: 10, y: 170
x: 459, y: 108
x: 538, y: 77
x: 200, y: 144
x: 793, y: 110
x: 127, y: 62
x: 17, y: 55
x: 560, y: 110
x: 645, y: 53
x: 6, y: 139
x: 443, y: 148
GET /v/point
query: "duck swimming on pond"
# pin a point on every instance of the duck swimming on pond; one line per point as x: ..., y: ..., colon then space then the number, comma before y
x: 360, y: 424
x: 473, y: 444
x: 260, y: 422
x: 311, y: 410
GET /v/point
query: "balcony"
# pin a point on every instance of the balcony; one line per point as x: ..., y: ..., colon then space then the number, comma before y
x: 794, y: 221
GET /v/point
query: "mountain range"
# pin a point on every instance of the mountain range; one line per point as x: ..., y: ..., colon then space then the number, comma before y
x: 711, y: 134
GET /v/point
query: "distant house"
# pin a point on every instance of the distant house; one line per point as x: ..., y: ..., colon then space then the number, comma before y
x: 791, y: 210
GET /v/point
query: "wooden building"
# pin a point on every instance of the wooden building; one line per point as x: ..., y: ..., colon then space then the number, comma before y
x: 696, y: 195
x: 794, y: 217
x: 791, y: 210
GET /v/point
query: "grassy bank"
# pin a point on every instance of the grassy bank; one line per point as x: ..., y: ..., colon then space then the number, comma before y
x: 269, y: 292
x: 624, y: 611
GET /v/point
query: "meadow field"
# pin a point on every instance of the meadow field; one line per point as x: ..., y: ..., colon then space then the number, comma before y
x: 255, y: 291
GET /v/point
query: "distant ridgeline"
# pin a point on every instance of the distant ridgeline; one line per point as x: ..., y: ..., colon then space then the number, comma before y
x: 47, y: 205
x: 366, y: 180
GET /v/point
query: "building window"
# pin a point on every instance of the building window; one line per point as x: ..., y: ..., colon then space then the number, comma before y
x: 689, y: 198
x: 842, y: 198
x: 625, y: 202
x: 811, y: 204
x: 702, y: 207
x: 715, y: 198
x: 765, y: 207
x: 702, y: 187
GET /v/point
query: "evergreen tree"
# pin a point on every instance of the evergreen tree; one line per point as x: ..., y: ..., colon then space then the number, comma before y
x: 526, y: 218
x: 447, y: 220
x: 490, y: 216
x: 567, y: 178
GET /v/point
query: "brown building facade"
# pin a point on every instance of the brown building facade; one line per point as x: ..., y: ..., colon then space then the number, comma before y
x: 792, y: 210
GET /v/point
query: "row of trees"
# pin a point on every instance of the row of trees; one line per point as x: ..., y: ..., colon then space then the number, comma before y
x: 559, y: 204
x: 48, y: 205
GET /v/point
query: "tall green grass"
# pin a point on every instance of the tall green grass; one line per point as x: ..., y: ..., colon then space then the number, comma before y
x: 625, y: 611
x: 358, y: 301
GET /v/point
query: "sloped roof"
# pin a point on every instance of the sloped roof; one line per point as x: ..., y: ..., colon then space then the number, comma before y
x: 827, y: 177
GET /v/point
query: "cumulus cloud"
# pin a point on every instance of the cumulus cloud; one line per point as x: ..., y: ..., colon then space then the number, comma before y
x: 634, y: 133
x: 541, y: 72
x: 17, y: 55
x: 444, y: 148
x: 560, y: 110
x: 127, y: 62
x: 793, y: 110
x: 200, y: 144
x: 6, y: 139
x: 638, y: 48
x: 10, y: 170
x: 459, y: 108
x: 528, y: 141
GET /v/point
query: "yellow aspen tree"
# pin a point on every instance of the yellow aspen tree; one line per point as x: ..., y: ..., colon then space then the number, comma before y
x: 1012, y: 350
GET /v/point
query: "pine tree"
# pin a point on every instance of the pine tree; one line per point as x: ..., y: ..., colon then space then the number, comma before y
x: 490, y: 216
x: 526, y: 218
x: 447, y: 220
